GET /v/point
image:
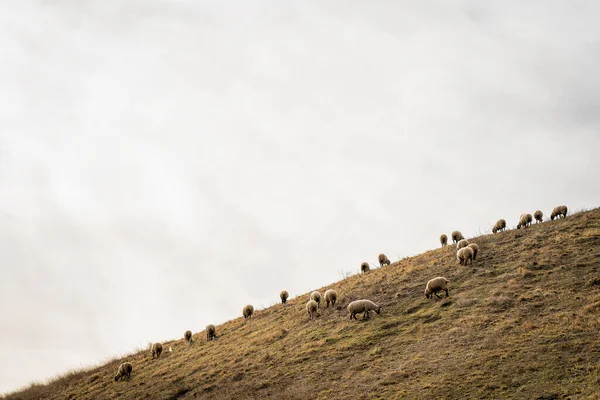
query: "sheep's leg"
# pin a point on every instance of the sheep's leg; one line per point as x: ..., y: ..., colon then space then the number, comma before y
x: 436, y: 295
x: 447, y: 293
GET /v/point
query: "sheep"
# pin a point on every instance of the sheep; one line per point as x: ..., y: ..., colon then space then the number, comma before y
x: 211, y: 332
x: 464, y: 255
x: 248, y: 311
x: 559, y: 211
x: 462, y: 243
x: 316, y: 296
x: 524, y: 221
x: 436, y: 285
x: 499, y: 226
x: 124, y: 371
x: 284, y: 296
x: 362, y: 306
x: 383, y: 260
x: 364, y: 267
x: 539, y: 216
x: 444, y: 240
x: 457, y: 236
x: 311, y: 308
x: 475, y: 249
x: 330, y: 297
x: 156, y: 350
x: 188, y: 336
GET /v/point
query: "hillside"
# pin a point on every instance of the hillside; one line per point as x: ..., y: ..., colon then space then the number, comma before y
x: 522, y: 322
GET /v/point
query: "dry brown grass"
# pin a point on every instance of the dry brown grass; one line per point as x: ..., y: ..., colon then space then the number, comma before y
x: 521, y: 323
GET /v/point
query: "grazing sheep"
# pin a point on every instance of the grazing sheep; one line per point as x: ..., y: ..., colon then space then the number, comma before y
x: 362, y: 306
x: 311, y: 308
x: 211, y: 332
x: 383, y: 260
x: 188, y: 337
x: 539, y: 216
x: 457, y: 236
x: 475, y: 249
x: 499, y: 226
x: 462, y: 243
x: 436, y: 285
x: 248, y: 311
x: 124, y: 371
x: 464, y: 255
x: 330, y: 297
x: 284, y: 296
x: 316, y: 296
x: 364, y: 267
x: 156, y: 350
x: 444, y: 240
x: 524, y: 221
x: 559, y: 211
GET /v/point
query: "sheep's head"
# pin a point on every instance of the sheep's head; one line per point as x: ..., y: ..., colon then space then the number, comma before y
x: 552, y: 216
x: 378, y: 311
x: 116, y: 377
x: 427, y: 293
x: 494, y: 230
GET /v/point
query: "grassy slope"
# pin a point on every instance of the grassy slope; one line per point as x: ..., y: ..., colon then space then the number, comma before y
x: 522, y: 322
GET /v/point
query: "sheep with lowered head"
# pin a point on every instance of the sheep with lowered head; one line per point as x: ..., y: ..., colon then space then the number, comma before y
x: 559, y: 211
x: 330, y: 297
x: 525, y: 220
x: 475, y: 249
x: 156, y: 350
x: 284, y: 296
x: 457, y: 236
x: 364, y: 267
x: 539, y: 216
x: 444, y: 240
x: 311, y: 309
x: 316, y: 296
x: 248, y: 311
x: 124, y: 371
x: 188, y: 336
x: 211, y: 332
x: 435, y: 285
x: 383, y: 260
x: 462, y: 243
x: 363, y: 306
x: 499, y: 226
x: 464, y: 255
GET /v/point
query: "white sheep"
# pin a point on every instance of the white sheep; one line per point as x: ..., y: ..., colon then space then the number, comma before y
x: 499, y: 226
x: 364, y: 267
x: 211, y: 332
x: 462, y: 243
x: 436, y: 285
x: 464, y: 255
x: 311, y: 308
x: 525, y: 220
x: 188, y: 336
x: 362, y: 306
x: 559, y: 211
x: 316, y: 296
x: 247, y: 311
x: 444, y: 240
x: 475, y: 249
x: 284, y: 296
x: 330, y: 297
x: 457, y: 236
x: 539, y: 216
x: 156, y: 350
x: 124, y: 371
x: 383, y: 260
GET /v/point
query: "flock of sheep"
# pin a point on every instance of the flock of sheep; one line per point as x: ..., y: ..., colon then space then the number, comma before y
x: 465, y: 252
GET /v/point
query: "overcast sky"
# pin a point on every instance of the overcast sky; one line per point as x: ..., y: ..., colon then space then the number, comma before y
x: 164, y: 163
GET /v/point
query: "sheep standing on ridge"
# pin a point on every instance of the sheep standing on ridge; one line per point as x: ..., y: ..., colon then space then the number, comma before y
x: 188, y: 337
x: 283, y: 296
x: 462, y: 243
x: 539, y: 216
x: 316, y: 296
x: 464, y: 255
x: 436, y: 285
x: 330, y: 297
x: 248, y: 311
x: 457, y: 236
x: 364, y: 267
x: 156, y: 350
x: 525, y: 220
x: 124, y: 371
x: 383, y: 260
x: 362, y: 306
x: 211, y: 332
x: 444, y: 240
x: 559, y: 211
x: 475, y: 249
x: 311, y: 309
x: 499, y: 226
